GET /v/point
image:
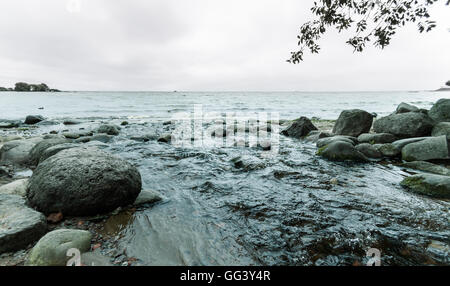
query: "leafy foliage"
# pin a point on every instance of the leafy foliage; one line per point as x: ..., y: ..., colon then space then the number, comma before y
x: 372, y: 20
x: 22, y: 86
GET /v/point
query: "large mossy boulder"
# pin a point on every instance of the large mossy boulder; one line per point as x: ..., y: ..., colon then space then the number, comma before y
x: 353, y: 123
x: 428, y: 149
x: 405, y: 125
x: 19, y: 224
x: 83, y: 181
x: 341, y: 151
x: 299, y: 128
x: 442, y: 128
x: 436, y: 186
x: 440, y: 112
x: 52, y: 249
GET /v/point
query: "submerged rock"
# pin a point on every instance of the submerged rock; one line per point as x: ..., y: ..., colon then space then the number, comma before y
x: 369, y: 151
x: 405, y: 107
x: 18, y: 188
x: 7, y: 124
x: 299, y: 128
x: 148, y: 197
x: 71, y: 122
x: 428, y: 149
x: 353, y: 123
x: 109, y: 129
x: 19, y: 225
x: 33, y: 119
x: 427, y: 167
x: 341, y: 151
x: 440, y: 112
x: 376, y: 138
x: 405, y: 125
x: 436, y: 186
x: 248, y: 163
x: 165, y: 138
x: 51, y: 250
x: 83, y: 181
x: 442, y: 128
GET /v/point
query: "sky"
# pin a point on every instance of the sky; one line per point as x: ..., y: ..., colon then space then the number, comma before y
x: 204, y: 45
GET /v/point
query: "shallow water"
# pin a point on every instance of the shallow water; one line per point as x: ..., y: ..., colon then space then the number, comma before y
x: 285, y: 209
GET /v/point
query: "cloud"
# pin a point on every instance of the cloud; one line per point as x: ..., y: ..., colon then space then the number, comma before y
x: 202, y: 45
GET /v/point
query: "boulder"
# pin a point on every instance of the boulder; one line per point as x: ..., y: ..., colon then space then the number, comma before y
x: 299, y: 128
x: 353, y: 123
x: 341, y: 151
x: 428, y: 149
x: 83, y: 181
x: 440, y: 112
x: 47, y: 153
x: 165, y: 138
x: 327, y: 140
x: 19, y: 225
x: 148, y: 197
x: 248, y: 163
x: 369, y: 151
x: 71, y: 122
x: 405, y: 107
x: 17, y: 152
x: 388, y: 149
x: 427, y: 167
x: 405, y: 125
x: 33, y: 119
x: 376, y: 138
x: 7, y: 124
x: 145, y: 137
x: 109, y: 129
x: 18, y: 188
x: 37, y: 151
x: 436, y: 186
x: 52, y: 249
x: 399, y: 144
x: 442, y: 128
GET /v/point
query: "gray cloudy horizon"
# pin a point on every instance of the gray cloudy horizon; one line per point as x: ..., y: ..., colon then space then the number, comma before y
x: 204, y: 45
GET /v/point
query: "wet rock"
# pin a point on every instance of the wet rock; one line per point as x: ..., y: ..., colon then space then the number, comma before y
x: 71, y: 122
x: 18, y: 188
x: 315, y: 135
x: 440, y: 112
x: 51, y: 250
x: 83, y: 181
x: 10, y: 138
x: 124, y: 123
x: 96, y: 144
x: 56, y: 149
x: 165, y: 138
x: 5, y: 172
x: 76, y: 135
x: 148, y: 197
x: 388, y: 150
x: 428, y: 149
x: 7, y: 124
x: 145, y: 138
x: 405, y: 125
x: 353, y: 123
x: 17, y: 152
x: 328, y: 140
x: 369, y: 151
x: 19, y: 225
x: 436, y: 186
x: 341, y: 151
x: 33, y: 119
x: 376, y: 138
x: 299, y: 128
x: 38, y: 150
x: 442, y: 128
x: 427, y: 167
x: 405, y: 107
x: 109, y: 129
x: 248, y: 163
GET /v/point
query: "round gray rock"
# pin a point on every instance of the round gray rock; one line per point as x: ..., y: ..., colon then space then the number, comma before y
x: 431, y: 185
x: 376, y: 138
x: 405, y: 125
x: 428, y: 149
x: 442, y: 128
x: 440, y: 112
x: 52, y: 249
x: 369, y: 150
x: 353, y: 123
x: 299, y: 128
x: 38, y: 150
x: 83, y: 181
x: 17, y: 152
x: 19, y: 225
x: 341, y: 151
x: 109, y: 129
x: 405, y: 107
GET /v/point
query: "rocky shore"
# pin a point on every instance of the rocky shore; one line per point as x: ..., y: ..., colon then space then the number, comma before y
x: 77, y: 195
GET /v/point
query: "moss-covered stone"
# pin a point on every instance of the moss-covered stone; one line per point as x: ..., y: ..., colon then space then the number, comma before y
x: 431, y: 185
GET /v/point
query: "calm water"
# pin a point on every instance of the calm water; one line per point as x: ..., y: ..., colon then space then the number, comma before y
x: 161, y: 105
x: 281, y: 210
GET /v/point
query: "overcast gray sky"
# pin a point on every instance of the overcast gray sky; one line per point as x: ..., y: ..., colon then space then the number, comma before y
x: 203, y: 45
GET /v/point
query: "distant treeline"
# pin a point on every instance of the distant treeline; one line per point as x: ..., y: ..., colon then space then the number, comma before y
x: 23, y: 86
